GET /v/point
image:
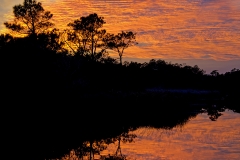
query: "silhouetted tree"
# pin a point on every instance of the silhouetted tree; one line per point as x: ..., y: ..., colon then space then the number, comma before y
x: 91, y: 148
x: 51, y: 40
x: 121, y: 41
x: 5, y: 39
x: 124, y: 137
x: 214, y: 73
x: 87, y: 37
x: 214, y: 111
x: 30, y: 18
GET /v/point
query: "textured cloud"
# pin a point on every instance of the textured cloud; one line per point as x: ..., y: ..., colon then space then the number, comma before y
x: 186, y: 29
x: 6, y: 8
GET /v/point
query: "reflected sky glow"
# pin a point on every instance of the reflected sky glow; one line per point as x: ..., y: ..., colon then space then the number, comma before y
x: 200, y: 139
x: 167, y: 29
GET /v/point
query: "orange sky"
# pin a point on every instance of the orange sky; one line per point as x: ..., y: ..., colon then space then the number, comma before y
x: 173, y: 30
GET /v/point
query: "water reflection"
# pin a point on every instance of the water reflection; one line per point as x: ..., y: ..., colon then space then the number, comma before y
x: 94, y: 144
x: 200, y: 138
x: 92, y: 149
x: 214, y: 111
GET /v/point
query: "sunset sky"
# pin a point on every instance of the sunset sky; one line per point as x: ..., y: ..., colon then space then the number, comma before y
x: 201, y: 32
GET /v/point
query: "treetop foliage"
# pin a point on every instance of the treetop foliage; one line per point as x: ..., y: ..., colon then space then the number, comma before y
x: 121, y: 41
x: 89, y: 23
x: 86, y: 36
x: 30, y: 18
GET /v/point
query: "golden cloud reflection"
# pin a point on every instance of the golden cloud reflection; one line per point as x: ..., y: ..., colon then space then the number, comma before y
x: 200, y: 138
x: 168, y: 29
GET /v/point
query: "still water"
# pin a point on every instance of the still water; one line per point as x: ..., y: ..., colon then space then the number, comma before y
x: 200, y: 138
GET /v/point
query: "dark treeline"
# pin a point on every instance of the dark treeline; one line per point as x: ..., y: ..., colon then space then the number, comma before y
x: 78, y: 57
x: 61, y: 89
x: 33, y: 65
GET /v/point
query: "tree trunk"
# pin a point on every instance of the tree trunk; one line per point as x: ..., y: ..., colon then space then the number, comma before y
x: 91, y: 151
x: 92, y: 46
x: 119, y: 147
x: 120, y: 59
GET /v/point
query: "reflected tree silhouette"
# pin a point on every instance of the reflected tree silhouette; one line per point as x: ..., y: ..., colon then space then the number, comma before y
x: 94, y: 147
x: 214, y: 112
x: 90, y: 148
x: 124, y: 138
